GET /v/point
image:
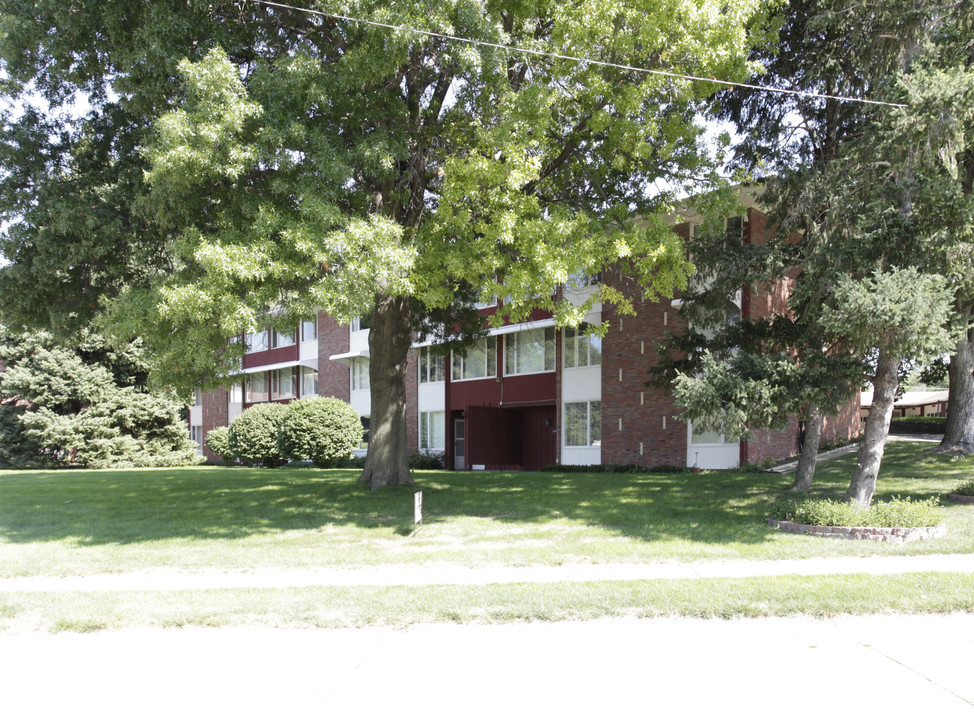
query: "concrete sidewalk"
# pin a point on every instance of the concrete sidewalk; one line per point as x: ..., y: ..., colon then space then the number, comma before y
x: 417, y: 576
x: 860, y: 667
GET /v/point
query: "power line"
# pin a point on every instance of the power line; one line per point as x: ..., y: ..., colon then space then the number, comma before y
x: 575, y: 58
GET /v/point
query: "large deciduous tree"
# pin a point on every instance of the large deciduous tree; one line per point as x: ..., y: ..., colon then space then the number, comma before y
x: 295, y: 161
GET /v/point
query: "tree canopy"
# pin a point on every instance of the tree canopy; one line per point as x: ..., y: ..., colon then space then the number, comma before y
x: 244, y: 163
x: 872, y: 204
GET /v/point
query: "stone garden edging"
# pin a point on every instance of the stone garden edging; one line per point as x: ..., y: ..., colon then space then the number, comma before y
x: 883, y: 534
x: 969, y: 499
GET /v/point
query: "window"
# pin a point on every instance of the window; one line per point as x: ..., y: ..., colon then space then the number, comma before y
x: 583, y: 424
x: 309, y: 330
x: 735, y: 226
x: 432, y: 430
x: 530, y: 351
x: 196, y: 435
x: 257, y: 388
x: 432, y: 367
x: 235, y: 393
x: 279, y: 339
x: 582, y: 349
x: 283, y: 383
x: 583, y: 280
x: 360, y: 323
x: 257, y: 342
x: 309, y: 382
x: 360, y: 373
x: 478, y: 361
x: 706, y: 437
x: 364, y: 445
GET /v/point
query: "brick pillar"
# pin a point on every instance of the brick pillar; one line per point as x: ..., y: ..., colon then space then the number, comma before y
x: 214, y: 416
x: 333, y: 377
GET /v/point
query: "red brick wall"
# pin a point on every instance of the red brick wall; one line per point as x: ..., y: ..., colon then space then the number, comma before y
x: 629, y: 348
x: 333, y: 377
x: 214, y: 416
x: 845, y: 425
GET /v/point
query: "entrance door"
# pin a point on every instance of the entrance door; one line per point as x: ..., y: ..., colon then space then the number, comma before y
x: 459, y: 444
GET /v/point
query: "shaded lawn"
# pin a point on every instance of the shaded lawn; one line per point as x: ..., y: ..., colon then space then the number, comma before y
x: 78, y: 522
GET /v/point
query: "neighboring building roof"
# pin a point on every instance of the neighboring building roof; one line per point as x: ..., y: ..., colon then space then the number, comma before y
x: 910, y: 399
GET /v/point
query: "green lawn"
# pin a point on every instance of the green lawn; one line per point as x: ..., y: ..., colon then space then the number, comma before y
x: 82, y: 522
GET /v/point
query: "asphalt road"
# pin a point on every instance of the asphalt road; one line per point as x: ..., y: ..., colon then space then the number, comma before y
x: 849, y: 667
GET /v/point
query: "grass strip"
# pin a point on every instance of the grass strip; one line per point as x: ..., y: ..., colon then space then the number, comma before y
x: 819, y: 596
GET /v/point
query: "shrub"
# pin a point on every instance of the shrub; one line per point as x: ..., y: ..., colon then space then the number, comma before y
x: 425, y: 460
x: 354, y: 462
x: 218, y: 440
x: 919, y: 425
x: 834, y: 513
x: 966, y: 489
x: 322, y: 429
x: 253, y: 434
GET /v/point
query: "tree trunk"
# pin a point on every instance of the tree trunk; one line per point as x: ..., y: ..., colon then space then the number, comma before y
x: 809, y: 451
x: 959, y: 433
x: 387, y: 462
x: 863, y: 483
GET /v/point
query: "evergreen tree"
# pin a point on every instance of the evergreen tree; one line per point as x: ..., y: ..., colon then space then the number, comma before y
x: 854, y: 195
x: 84, y: 406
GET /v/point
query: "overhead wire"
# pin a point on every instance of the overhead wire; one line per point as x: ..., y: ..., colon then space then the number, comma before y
x: 578, y: 59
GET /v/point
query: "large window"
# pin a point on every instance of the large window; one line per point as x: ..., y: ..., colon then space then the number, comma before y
x: 235, y: 393
x: 257, y: 342
x: 309, y: 382
x: 279, y: 339
x: 309, y: 330
x: 581, y: 348
x: 283, y: 383
x: 478, y: 361
x: 530, y: 351
x: 583, y: 424
x: 432, y: 367
x: 257, y: 388
x: 360, y: 373
x: 432, y: 430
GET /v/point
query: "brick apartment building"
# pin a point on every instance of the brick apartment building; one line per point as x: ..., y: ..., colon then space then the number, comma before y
x: 527, y: 396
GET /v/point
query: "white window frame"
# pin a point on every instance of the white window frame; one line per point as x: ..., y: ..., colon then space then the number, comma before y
x: 429, y: 364
x: 427, y: 432
x: 359, y: 370
x: 276, y: 375
x: 248, y: 392
x: 359, y: 324
x: 312, y: 391
x: 280, y: 340
x: 461, y: 363
x: 513, y: 341
x: 307, y: 325
x: 574, y: 338
x: 257, y: 342
x: 590, y: 413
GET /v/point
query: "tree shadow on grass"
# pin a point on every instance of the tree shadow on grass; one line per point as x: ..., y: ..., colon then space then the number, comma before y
x: 121, y: 507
